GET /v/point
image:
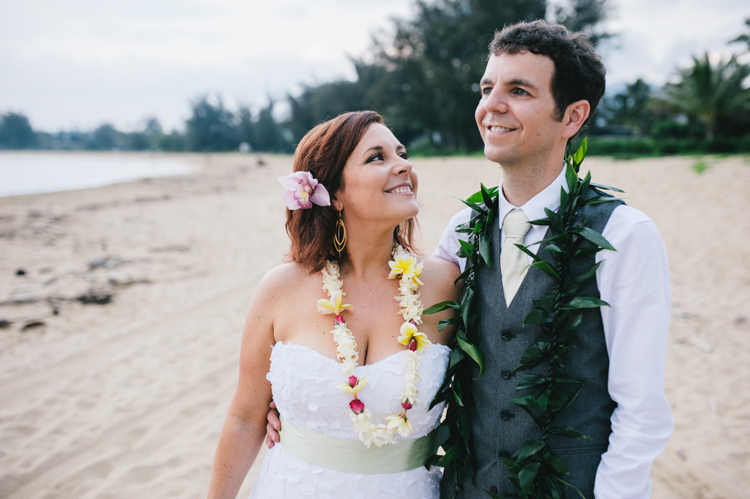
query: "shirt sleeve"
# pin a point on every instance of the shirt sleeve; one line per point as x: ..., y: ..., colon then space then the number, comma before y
x: 449, y: 245
x: 634, y: 280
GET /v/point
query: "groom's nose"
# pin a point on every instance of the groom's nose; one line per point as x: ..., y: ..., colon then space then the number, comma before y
x: 497, y: 101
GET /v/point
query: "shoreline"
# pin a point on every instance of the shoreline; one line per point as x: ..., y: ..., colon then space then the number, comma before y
x: 25, y: 173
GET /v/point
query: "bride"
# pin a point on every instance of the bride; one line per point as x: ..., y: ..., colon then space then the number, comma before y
x: 351, y: 370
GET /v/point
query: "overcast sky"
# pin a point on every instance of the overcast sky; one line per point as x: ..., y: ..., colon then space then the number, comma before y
x: 79, y: 63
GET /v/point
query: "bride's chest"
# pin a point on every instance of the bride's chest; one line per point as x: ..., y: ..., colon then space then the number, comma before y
x: 304, y: 387
x: 373, y: 320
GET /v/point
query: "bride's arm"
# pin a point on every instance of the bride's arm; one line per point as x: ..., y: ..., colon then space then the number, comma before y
x: 438, y: 277
x: 245, y: 425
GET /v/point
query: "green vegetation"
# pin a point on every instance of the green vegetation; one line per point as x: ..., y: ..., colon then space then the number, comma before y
x: 700, y: 166
x: 16, y: 132
x: 713, y: 94
x: 424, y: 80
x: 634, y: 148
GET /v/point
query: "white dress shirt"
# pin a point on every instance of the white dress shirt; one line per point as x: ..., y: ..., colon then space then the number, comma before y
x: 634, y: 280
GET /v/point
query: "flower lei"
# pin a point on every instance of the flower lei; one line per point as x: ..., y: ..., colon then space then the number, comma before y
x: 403, y: 267
x: 536, y: 471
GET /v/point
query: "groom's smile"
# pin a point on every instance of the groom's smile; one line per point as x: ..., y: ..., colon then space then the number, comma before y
x: 499, y: 129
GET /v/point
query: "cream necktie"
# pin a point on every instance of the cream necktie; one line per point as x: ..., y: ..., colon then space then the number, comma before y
x: 513, y: 261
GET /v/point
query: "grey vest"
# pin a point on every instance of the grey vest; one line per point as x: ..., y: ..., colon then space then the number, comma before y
x: 499, y: 427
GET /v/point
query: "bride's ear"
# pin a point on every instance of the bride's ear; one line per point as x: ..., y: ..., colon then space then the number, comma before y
x: 336, y: 203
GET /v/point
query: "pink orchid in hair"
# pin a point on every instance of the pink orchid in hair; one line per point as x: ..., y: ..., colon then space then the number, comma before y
x: 304, y: 191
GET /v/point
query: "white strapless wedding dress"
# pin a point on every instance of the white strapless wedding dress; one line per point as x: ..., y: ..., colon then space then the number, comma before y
x: 304, y: 389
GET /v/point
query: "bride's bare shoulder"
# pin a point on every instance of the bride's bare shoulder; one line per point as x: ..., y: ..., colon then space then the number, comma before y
x: 440, y: 275
x: 286, y: 272
x: 286, y: 279
x: 437, y: 268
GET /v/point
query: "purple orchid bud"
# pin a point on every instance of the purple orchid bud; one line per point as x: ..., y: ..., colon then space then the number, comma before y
x: 303, y: 191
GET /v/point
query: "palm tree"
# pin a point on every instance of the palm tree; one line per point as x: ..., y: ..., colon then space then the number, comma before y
x: 744, y: 38
x: 710, y: 92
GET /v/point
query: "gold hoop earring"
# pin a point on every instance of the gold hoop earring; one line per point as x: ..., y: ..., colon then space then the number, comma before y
x: 339, y: 237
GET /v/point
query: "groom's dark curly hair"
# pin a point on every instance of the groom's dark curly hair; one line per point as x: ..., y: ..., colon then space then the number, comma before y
x: 579, y: 71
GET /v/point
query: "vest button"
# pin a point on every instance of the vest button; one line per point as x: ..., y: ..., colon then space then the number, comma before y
x: 506, y: 335
x: 504, y: 454
x: 506, y: 374
x: 505, y: 415
x: 493, y: 489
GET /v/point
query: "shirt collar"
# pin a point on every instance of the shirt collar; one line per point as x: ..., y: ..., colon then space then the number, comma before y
x: 534, y: 207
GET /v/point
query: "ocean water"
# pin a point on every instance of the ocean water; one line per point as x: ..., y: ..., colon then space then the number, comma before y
x: 33, y: 173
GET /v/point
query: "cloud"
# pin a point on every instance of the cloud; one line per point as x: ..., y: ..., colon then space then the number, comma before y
x: 84, y: 62
x: 125, y: 90
x: 658, y: 37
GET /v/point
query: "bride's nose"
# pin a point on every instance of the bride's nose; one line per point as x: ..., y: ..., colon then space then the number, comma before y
x: 403, y: 166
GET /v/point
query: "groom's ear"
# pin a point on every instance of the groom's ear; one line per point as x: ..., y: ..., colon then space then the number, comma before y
x: 575, y: 116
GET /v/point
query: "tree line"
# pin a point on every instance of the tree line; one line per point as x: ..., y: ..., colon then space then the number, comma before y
x: 709, y: 99
x: 212, y: 127
x: 423, y: 78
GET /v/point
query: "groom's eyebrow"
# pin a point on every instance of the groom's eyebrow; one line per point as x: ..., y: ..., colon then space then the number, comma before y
x: 515, y: 81
x: 521, y: 82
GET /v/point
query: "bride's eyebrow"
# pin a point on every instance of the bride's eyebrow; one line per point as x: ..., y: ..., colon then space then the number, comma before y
x: 373, y: 149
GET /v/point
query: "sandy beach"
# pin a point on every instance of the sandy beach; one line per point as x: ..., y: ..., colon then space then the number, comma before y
x: 119, y: 339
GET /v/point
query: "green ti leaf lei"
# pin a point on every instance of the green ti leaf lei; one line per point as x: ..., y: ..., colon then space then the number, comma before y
x: 535, y: 470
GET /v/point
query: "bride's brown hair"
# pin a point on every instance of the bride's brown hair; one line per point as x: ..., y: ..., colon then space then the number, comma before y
x: 323, y: 152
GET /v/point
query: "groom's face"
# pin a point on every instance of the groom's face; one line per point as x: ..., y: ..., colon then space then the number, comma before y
x: 516, y: 114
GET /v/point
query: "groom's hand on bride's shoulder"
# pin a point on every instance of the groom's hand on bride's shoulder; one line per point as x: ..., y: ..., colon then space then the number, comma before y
x: 273, y: 427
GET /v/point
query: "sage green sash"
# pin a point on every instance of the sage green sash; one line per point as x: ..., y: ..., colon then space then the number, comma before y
x: 351, y: 456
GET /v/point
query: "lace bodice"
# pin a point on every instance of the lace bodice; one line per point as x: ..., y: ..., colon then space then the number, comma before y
x: 304, y: 389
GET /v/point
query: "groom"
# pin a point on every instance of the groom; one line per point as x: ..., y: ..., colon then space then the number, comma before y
x: 540, y: 86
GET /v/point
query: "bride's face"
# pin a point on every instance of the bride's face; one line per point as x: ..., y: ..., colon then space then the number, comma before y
x: 379, y: 182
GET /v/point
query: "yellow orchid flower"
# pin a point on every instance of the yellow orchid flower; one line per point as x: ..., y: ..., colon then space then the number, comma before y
x: 418, y: 272
x: 402, y: 266
x: 333, y: 306
x: 410, y: 332
x: 354, y: 385
x: 401, y: 423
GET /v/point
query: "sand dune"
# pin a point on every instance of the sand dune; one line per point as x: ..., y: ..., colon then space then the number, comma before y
x: 127, y: 398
